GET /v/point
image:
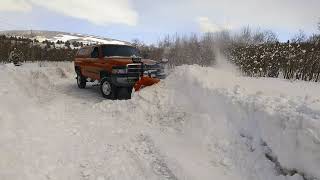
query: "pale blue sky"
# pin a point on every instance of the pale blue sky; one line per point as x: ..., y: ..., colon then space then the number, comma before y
x: 150, y: 20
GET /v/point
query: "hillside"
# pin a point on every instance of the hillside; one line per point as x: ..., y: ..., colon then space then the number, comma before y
x: 55, y: 36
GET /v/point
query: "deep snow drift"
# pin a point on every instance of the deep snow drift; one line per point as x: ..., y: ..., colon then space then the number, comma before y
x: 199, y: 123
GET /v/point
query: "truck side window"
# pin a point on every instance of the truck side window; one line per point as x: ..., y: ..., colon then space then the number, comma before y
x: 95, y: 53
x: 82, y: 52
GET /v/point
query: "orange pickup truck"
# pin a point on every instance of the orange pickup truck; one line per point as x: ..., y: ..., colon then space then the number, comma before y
x: 117, y: 67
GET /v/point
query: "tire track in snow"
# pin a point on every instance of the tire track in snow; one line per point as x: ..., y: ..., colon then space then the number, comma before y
x: 146, y: 150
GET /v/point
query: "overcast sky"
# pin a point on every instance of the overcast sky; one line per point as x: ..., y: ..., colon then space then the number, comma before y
x: 150, y: 20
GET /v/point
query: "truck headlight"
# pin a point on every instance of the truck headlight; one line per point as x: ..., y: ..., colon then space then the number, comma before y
x: 119, y: 71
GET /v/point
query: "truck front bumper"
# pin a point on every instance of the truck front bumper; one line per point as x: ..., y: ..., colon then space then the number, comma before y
x: 124, y: 80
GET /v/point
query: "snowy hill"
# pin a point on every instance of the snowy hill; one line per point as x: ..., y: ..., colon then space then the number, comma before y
x: 54, y: 36
x: 199, y: 123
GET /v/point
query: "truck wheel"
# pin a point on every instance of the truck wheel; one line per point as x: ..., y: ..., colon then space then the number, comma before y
x: 124, y: 93
x: 108, y: 90
x: 81, y: 81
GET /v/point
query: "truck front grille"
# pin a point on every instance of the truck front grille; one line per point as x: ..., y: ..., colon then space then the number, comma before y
x: 134, y: 69
x: 155, y: 70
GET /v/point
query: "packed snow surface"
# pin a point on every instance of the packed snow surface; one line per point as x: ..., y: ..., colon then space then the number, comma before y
x: 199, y: 123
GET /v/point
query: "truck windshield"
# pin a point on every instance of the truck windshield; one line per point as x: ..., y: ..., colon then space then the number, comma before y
x: 119, y: 50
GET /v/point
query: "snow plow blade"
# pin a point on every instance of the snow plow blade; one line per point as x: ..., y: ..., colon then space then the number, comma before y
x: 145, y: 81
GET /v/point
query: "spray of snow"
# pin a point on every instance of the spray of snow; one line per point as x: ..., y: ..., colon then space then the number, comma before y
x: 223, y: 63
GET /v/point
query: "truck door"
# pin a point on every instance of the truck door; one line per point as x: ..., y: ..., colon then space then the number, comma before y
x: 93, y: 69
x: 83, y: 59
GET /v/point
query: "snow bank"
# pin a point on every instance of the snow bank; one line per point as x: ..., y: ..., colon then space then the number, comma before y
x: 282, y: 114
x: 199, y: 123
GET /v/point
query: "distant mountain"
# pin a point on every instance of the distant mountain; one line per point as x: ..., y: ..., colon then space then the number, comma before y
x: 62, y: 36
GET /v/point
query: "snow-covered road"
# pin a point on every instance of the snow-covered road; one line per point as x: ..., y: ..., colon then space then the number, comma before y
x: 200, y: 123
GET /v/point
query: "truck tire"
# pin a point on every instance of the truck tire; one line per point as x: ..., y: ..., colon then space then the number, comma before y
x: 81, y: 81
x: 108, y: 90
x: 124, y: 93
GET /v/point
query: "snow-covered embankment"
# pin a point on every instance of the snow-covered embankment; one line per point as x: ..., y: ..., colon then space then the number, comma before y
x: 199, y: 123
